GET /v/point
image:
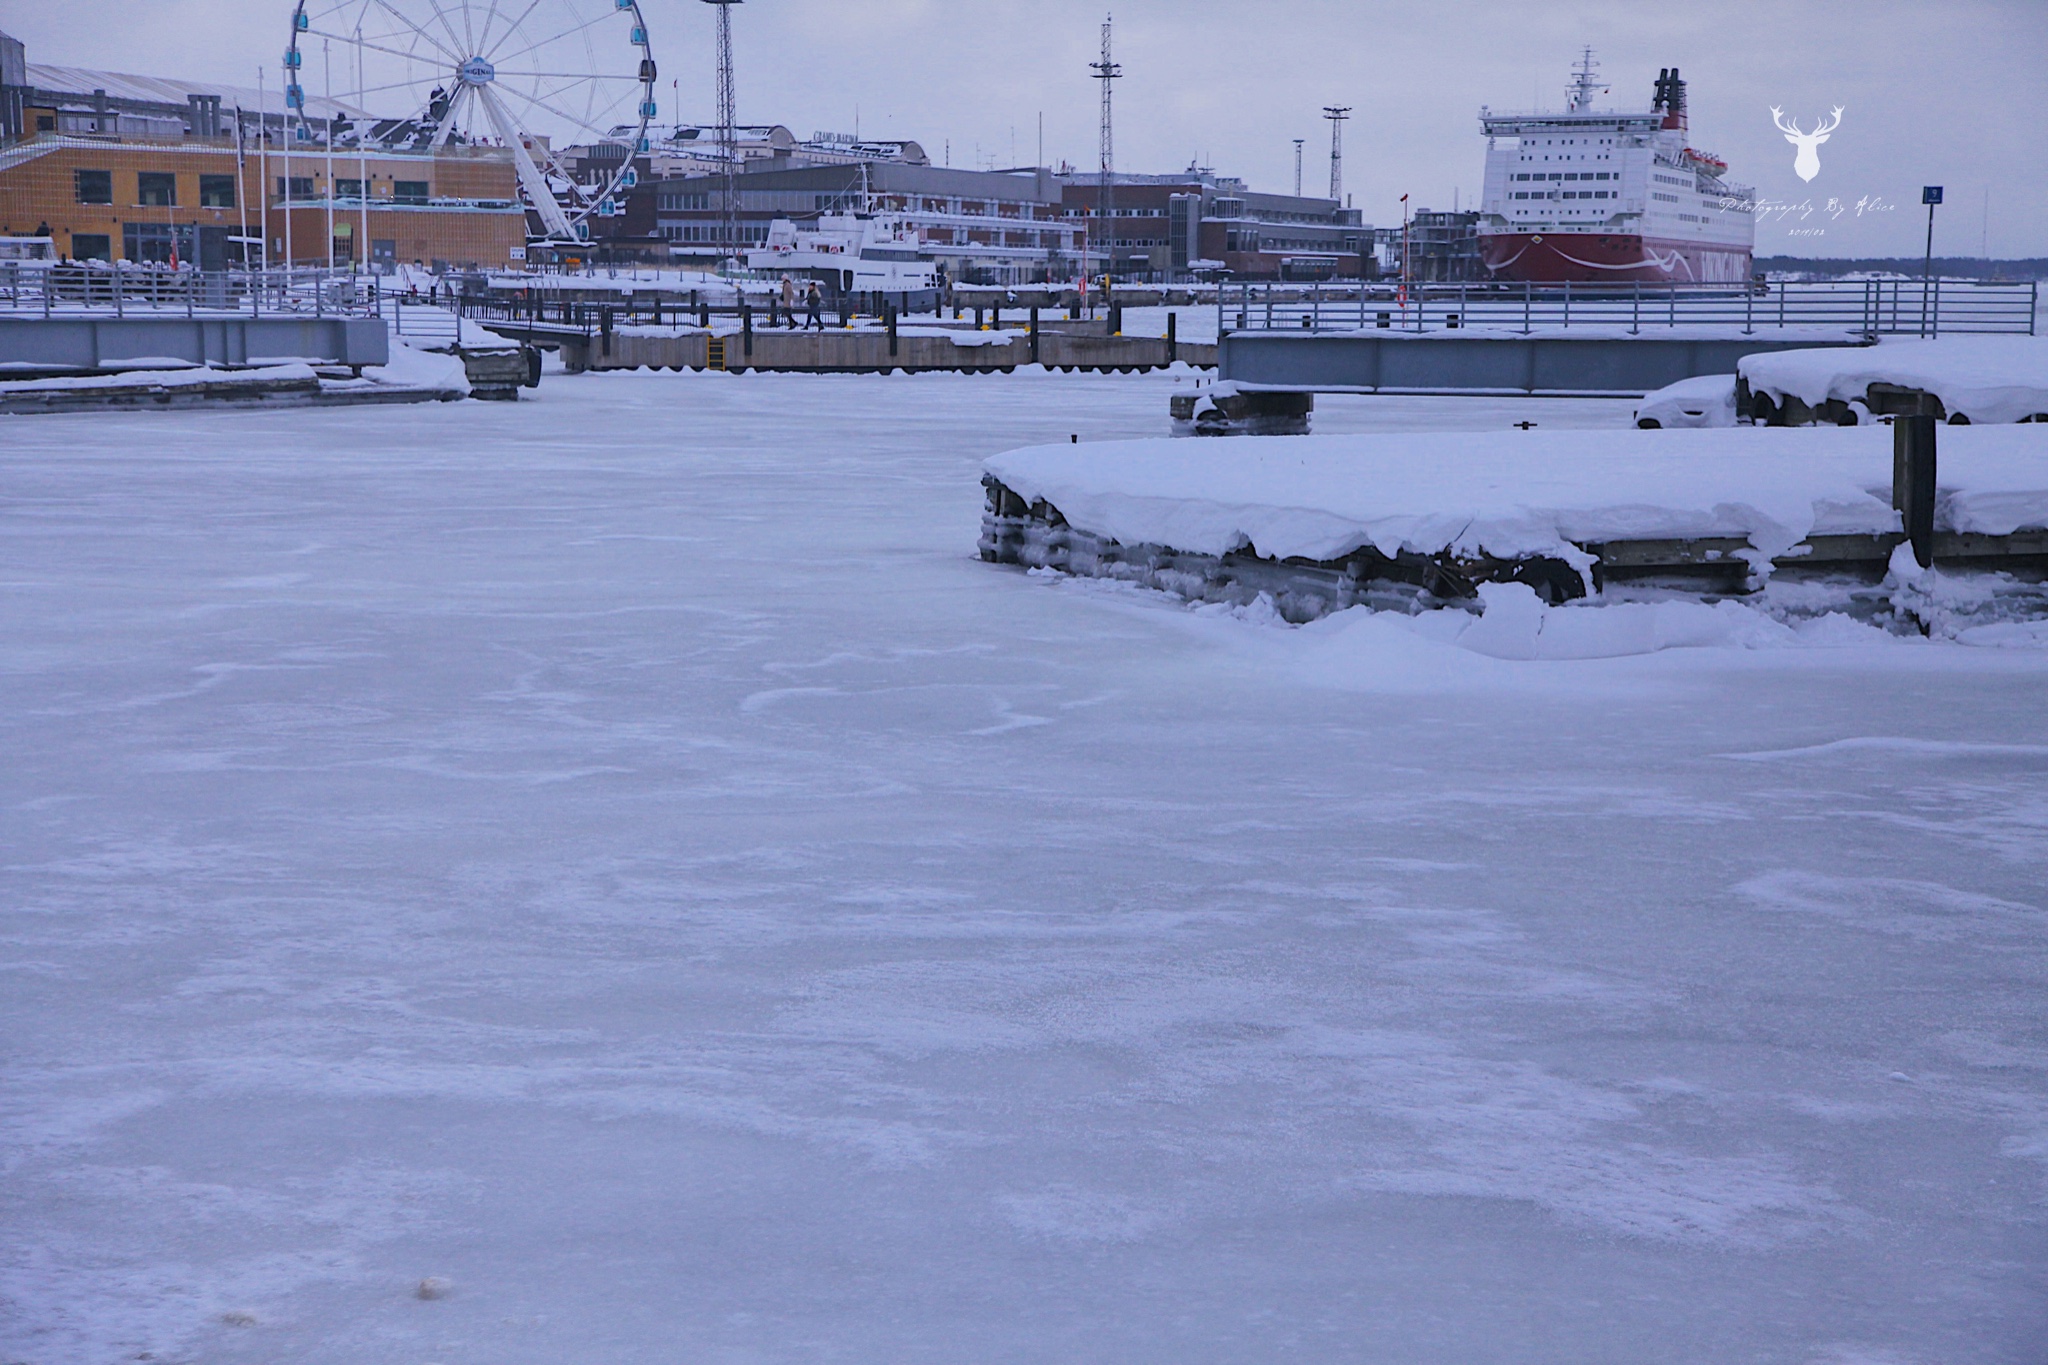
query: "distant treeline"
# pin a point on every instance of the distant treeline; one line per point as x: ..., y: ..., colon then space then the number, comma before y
x: 1954, y: 267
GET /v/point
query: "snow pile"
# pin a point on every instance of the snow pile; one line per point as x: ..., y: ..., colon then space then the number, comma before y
x: 418, y: 369
x: 1517, y: 625
x: 1519, y: 494
x: 1706, y: 400
x: 1985, y: 378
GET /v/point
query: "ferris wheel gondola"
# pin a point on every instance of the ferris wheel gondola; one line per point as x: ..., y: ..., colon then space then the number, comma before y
x: 531, y: 76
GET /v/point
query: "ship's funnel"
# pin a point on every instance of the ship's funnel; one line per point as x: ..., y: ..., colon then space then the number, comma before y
x: 1670, y: 99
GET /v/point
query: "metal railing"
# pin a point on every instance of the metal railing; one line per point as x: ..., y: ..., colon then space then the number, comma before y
x: 43, y: 290
x: 420, y: 323
x: 1871, y: 308
x: 544, y: 311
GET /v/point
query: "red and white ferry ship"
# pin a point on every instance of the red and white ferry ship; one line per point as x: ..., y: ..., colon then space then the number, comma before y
x: 1606, y: 197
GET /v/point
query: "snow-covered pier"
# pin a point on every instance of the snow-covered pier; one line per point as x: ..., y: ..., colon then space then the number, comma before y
x: 1322, y: 523
x: 1960, y: 380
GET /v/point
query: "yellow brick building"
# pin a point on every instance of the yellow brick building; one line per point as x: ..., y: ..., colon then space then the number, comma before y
x: 125, y: 198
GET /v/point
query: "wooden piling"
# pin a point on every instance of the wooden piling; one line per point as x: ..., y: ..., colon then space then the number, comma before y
x: 1913, y: 485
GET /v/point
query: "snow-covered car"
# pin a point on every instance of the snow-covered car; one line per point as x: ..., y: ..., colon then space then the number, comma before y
x: 1706, y: 400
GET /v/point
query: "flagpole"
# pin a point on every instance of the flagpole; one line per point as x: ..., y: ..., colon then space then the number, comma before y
x: 286, y: 126
x: 327, y: 66
x: 262, y: 173
x: 242, y: 187
x: 363, y: 159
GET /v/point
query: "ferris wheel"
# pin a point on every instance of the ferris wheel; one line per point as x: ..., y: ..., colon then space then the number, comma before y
x: 532, y: 76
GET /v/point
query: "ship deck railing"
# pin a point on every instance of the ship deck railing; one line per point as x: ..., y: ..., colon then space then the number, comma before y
x: 1869, y: 308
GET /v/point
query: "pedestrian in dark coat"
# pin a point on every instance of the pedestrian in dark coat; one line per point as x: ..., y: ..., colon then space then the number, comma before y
x: 814, y: 304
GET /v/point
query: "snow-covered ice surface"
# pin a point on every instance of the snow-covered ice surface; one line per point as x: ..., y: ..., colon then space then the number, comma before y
x: 612, y: 878
x: 1986, y: 378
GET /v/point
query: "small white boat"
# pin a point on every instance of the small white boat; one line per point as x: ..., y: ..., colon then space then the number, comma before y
x: 852, y: 253
x: 37, y: 252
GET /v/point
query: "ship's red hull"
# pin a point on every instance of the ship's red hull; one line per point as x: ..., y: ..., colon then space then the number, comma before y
x: 1609, y: 258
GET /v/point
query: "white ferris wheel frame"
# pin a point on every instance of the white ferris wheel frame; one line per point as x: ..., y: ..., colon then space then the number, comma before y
x: 469, y: 71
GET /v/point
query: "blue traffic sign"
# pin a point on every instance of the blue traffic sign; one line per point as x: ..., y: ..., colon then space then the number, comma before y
x: 1930, y: 194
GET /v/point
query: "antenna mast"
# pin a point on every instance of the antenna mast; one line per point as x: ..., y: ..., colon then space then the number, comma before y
x: 1336, y: 114
x: 1107, y: 71
x: 1297, y: 166
x: 1584, y: 83
x: 728, y: 134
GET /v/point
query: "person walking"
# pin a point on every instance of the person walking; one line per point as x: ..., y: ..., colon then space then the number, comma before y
x: 788, y: 301
x: 814, y: 304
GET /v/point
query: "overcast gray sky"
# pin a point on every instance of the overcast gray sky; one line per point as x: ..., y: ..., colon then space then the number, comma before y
x: 1949, y: 92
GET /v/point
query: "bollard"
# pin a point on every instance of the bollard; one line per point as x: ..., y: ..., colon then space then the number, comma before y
x: 1172, y: 339
x: 1034, y: 334
x: 746, y: 330
x: 703, y: 314
x: 889, y: 320
x: 1116, y: 318
x: 1913, y: 482
x: 978, y: 326
x: 995, y: 317
x: 604, y: 326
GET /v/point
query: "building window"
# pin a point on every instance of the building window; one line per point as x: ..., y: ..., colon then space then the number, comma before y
x: 93, y: 187
x: 91, y: 246
x: 158, y: 243
x: 348, y: 189
x: 295, y: 187
x: 216, y: 191
x: 409, y: 191
x: 156, y: 189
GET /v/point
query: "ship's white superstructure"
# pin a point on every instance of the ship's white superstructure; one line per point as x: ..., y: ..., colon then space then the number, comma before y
x: 1603, y: 196
x: 854, y: 253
